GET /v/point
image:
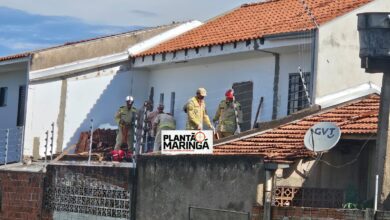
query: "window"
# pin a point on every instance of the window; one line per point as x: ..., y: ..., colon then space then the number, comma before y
x: 297, y: 97
x: 3, y: 96
x: 21, y: 105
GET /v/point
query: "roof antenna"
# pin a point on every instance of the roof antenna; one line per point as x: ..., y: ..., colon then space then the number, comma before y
x: 308, y: 11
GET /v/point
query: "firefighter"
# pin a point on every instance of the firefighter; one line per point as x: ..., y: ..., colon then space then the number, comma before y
x: 227, y: 115
x: 125, y: 118
x: 163, y: 121
x: 196, y: 111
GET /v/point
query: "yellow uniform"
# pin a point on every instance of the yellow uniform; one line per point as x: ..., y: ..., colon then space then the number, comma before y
x: 196, y: 114
x: 125, y: 118
x: 227, y: 118
x: 162, y: 122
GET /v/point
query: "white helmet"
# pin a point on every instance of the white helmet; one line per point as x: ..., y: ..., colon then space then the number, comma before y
x: 129, y: 99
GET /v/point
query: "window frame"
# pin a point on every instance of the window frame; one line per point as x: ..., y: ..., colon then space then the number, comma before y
x: 296, y: 97
x: 3, y: 96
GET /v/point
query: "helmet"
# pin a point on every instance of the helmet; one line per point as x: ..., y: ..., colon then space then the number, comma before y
x: 229, y: 94
x: 129, y: 99
x: 201, y: 91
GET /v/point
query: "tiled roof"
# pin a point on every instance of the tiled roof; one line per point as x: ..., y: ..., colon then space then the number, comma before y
x: 257, y: 20
x: 15, y: 56
x: 286, y: 142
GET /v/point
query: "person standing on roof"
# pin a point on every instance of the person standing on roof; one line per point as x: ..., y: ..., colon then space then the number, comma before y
x: 163, y: 121
x: 125, y: 118
x: 196, y: 111
x: 149, y: 120
x: 227, y: 115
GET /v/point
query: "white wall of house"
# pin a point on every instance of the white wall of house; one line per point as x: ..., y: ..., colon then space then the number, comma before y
x: 12, y: 79
x: 95, y: 94
x: 98, y: 95
x: 338, y: 62
x: 217, y: 74
x: 43, y: 106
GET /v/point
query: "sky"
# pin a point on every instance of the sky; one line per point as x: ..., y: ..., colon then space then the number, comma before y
x: 26, y: 25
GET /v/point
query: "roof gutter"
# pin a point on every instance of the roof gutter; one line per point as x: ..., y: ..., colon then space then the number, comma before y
x: 16, y: 60
x: 289, y: 35
x: 71, y: 68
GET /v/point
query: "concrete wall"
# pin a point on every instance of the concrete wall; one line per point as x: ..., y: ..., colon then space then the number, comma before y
x: 98, y: 95
x: 96, y: 48
x: 167, y: 186
x: 217, y: 74
x: 43, y: 107
x: 338, y: 62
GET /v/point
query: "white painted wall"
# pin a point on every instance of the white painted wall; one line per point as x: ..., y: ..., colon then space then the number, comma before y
x: 12, y: 80
x: 218, y: 74
x: 43, y: 105
x: 338, y: 63
x: 98, y: 95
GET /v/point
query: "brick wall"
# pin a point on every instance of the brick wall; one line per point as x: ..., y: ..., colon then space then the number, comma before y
x: 21, y: 195
x: 316, y: 213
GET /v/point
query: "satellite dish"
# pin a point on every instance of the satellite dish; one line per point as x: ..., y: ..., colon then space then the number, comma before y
x: 322, y: 136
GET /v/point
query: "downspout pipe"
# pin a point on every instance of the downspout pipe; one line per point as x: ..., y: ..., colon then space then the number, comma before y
x: 276, y: 77
x: 313, y: 75
x: 270, y: 169
x: 268, y: 186
x: 25, y: 107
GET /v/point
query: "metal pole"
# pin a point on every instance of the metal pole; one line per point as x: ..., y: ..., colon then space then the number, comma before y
x: 21, y: 134
x: 173, y: 95
x: 258, y: 112
x: 268, y: 194
x: 376, y: 193
x: 161, y: 98
x: 304, y: 85
x: 90, y: 143
x: 51, y: 141
x: 6, y: 146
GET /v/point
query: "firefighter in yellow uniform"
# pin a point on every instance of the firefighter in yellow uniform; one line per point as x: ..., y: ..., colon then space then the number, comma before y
x: 125, y: 118
x: 196, y: 111
x: 226, y: 115
x: 163, y: 121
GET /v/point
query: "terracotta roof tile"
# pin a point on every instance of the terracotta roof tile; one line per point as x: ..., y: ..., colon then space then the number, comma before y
x: 15, y: 56
x: 257, y: 20
x: 286, y: 142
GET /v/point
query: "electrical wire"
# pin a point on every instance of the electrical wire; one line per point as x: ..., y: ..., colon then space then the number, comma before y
x: 353, y: 160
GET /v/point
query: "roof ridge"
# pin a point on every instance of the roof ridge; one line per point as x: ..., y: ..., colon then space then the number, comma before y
x: 263, y: 19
